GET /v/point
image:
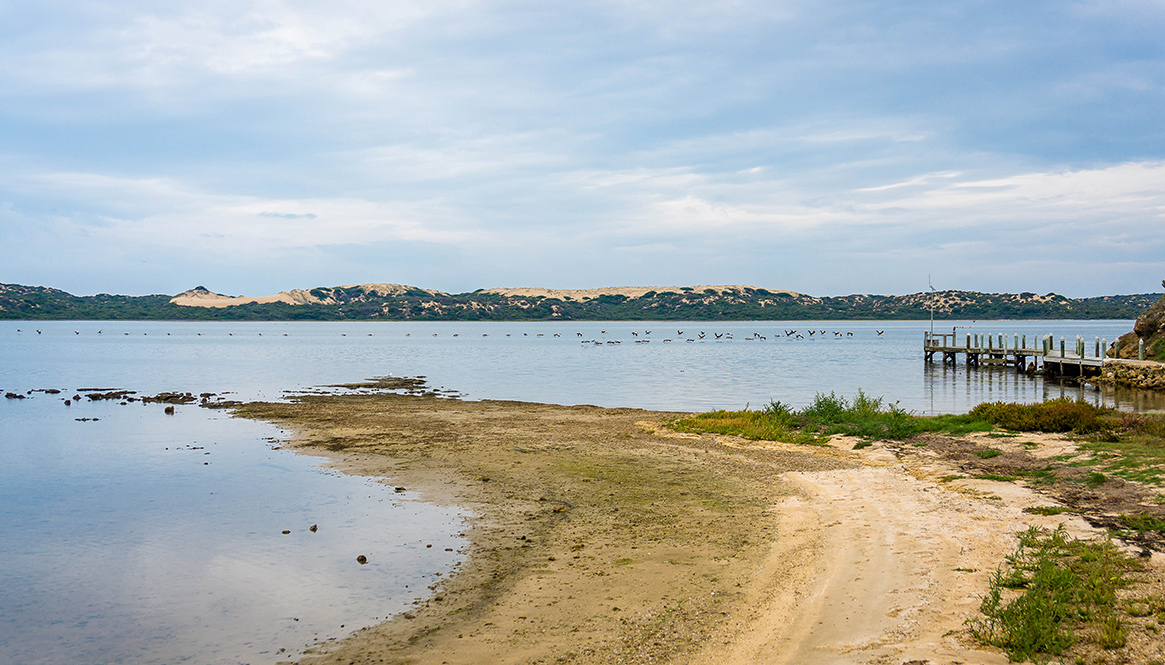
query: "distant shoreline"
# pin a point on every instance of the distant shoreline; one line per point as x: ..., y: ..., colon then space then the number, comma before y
x: 396, y: 302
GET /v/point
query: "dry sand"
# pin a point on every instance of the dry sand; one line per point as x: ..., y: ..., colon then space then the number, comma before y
x: 603, y: 537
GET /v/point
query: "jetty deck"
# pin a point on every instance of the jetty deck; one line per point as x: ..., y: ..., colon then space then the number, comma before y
x: 999, y: 350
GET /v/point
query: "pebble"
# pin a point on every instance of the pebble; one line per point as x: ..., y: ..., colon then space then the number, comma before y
x: 361, y: 559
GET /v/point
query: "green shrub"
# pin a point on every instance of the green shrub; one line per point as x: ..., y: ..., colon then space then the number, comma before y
x: 1060, y: 415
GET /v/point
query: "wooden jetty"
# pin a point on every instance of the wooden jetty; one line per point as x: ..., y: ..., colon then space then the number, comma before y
x: 999, y: 350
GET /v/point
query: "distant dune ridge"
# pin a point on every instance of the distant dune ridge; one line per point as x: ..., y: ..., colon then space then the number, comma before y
x: 627, y: 291
x: 402, y: 302
x: 200, y: 296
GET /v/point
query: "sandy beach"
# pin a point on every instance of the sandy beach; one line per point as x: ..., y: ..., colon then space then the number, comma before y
x: 601, y: 536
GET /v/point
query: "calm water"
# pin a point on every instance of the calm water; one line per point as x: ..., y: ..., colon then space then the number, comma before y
x: 145, y: 538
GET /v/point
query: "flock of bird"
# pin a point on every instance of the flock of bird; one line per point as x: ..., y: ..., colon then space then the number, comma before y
x: 724, y: 336
x: 680, y: 335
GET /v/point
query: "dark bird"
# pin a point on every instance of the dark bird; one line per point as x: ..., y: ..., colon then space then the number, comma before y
x: 880, y: 331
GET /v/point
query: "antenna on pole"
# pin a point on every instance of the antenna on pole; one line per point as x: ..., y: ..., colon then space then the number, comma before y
x: 931, y: 284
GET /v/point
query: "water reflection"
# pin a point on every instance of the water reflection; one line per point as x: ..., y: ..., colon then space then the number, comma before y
x: 134, y: 537
x: 947, y: 385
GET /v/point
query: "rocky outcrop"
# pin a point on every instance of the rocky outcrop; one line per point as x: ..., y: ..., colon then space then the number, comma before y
x: 1150, y: 327
x: 1144, y: 374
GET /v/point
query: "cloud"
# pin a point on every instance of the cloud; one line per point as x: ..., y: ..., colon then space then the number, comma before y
x: 722, y: 142
x: 288, y: 215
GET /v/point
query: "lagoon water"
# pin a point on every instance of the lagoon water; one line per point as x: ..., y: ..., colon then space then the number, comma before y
x: 137, y: 537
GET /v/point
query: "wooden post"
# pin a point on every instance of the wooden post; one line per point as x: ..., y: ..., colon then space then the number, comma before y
x: 1140, y: 349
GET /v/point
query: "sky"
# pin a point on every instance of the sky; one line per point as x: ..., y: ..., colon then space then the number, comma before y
x: 829, y: 147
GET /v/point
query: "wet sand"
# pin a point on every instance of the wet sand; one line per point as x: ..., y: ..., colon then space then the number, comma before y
x: 602, y: 537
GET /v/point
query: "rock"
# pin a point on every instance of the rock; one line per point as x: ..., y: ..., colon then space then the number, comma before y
x: 1150, y: 327
x: 313, y: 528
x: 286, y: 531
x: 361, y: 559
x: 169, y: 410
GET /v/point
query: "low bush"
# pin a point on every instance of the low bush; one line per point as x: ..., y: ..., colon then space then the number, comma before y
x: 1059, y: 415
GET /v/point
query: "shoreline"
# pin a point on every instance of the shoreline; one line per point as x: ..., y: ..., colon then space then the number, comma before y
x: 601, y: 536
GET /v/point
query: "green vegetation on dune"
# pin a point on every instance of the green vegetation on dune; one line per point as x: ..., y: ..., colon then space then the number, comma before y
x: 362, y: 303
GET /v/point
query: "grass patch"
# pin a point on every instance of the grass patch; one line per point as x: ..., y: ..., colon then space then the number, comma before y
x: 1064, y: 587
x: 1044, y: 476
x: 995, y: 476
x: 1047, y: 511
x: 865, y: 417
x: 1126, y: 445
x: 1096, y: 479
x: 774, y: 423
x: 1143, y: 522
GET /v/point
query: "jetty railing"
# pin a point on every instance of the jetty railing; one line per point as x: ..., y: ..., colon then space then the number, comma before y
x: 998, y: 349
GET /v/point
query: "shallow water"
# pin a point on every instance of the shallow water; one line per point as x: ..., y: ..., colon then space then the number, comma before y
x: 527, y: 361
x: 146, y: 538
x: 140, y: 537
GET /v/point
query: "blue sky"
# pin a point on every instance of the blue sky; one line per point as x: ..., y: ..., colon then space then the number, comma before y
x: 828, y: 147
